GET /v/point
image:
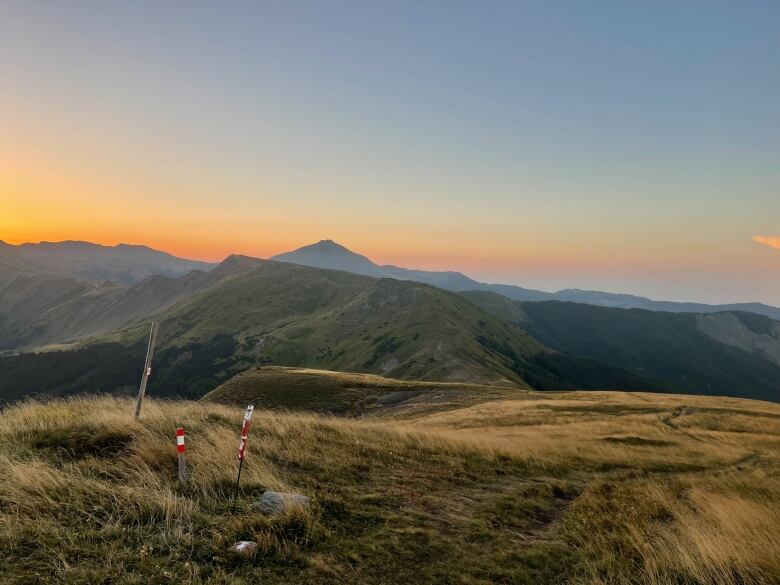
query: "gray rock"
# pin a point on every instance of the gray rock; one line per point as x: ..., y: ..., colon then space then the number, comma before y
x: 245, y: 549
x: 277, y: 502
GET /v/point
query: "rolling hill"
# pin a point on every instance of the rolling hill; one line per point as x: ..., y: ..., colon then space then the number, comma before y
x: 349, y: 393
x: 122, y: 264
x: 329, y: 254
x: 730, y: 353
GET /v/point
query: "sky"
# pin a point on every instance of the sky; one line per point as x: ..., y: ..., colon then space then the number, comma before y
x: 621, y: 146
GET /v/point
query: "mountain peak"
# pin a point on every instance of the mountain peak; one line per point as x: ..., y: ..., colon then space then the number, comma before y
x: 323, y: 246
x: 331, y: 255
x: 329, y: 246
x: 240, y: 260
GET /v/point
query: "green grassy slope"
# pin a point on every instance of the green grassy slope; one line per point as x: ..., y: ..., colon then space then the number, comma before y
x: 283, y: 314
x: 272, y: 313
x: 671, y: 347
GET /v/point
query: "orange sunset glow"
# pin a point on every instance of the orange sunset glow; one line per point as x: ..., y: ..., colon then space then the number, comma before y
x: 243, y: 167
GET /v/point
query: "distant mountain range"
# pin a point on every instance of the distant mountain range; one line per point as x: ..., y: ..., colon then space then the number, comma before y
x: 122, y: 264
x: 63, y: 334
x: 248, y: 312
x: 125, y: 265
x: 329, y: 254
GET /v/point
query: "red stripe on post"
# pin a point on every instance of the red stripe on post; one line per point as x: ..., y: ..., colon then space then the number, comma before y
x: 245, y: 431
x: 180, y: 440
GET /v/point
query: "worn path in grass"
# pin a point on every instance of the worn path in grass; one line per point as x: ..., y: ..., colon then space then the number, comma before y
x: 674, y: 489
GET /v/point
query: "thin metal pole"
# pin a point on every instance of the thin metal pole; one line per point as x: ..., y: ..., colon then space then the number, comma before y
x: 147, y: 368
x: 238, y: 479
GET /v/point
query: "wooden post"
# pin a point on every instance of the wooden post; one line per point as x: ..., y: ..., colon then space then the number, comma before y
x: 182, y: 460
x: 147, y: 368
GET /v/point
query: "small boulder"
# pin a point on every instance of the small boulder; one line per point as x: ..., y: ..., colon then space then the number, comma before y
x: 245, y: 549
x: 277, y: 502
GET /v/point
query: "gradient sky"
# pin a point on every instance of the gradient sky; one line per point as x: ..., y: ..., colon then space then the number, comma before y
x: 623, y: 146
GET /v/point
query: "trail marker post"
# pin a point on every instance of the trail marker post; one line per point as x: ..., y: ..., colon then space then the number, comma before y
x: 147, y: 368
x: 182, y: 460
x: 242, y: 448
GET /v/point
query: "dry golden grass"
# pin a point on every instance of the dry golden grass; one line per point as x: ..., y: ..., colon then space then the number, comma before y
x: 596, y: 488
x: 89, y: 495
x: 689, y: 490
x: 347, y: 393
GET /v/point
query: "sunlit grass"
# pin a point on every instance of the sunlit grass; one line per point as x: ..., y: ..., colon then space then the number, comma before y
x: 576, y: 487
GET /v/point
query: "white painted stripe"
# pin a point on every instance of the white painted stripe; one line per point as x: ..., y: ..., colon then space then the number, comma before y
x: 180, y: 440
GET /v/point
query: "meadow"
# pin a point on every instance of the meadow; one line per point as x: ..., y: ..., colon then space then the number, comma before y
x: 576, y: 487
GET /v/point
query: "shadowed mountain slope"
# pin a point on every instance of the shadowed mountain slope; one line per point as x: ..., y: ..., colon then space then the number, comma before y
x: 733, y: 354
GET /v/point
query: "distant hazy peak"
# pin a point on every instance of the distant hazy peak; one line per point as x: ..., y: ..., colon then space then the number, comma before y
x: 331, y: 255
x: 240, y: 260
x: 124, y: 263
x: 334, y: 256
x: 327, y: 247
x: 325, y: 244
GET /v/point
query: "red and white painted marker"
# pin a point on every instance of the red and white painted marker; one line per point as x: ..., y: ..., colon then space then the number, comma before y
x: 245, y: 431
x: 242, y: 448
x: 181, y: 449
x: 180, y: 440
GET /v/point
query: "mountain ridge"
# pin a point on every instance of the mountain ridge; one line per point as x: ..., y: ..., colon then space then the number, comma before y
x: 329, y: 254
x: 124, y: 264
x: 250, y: 312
